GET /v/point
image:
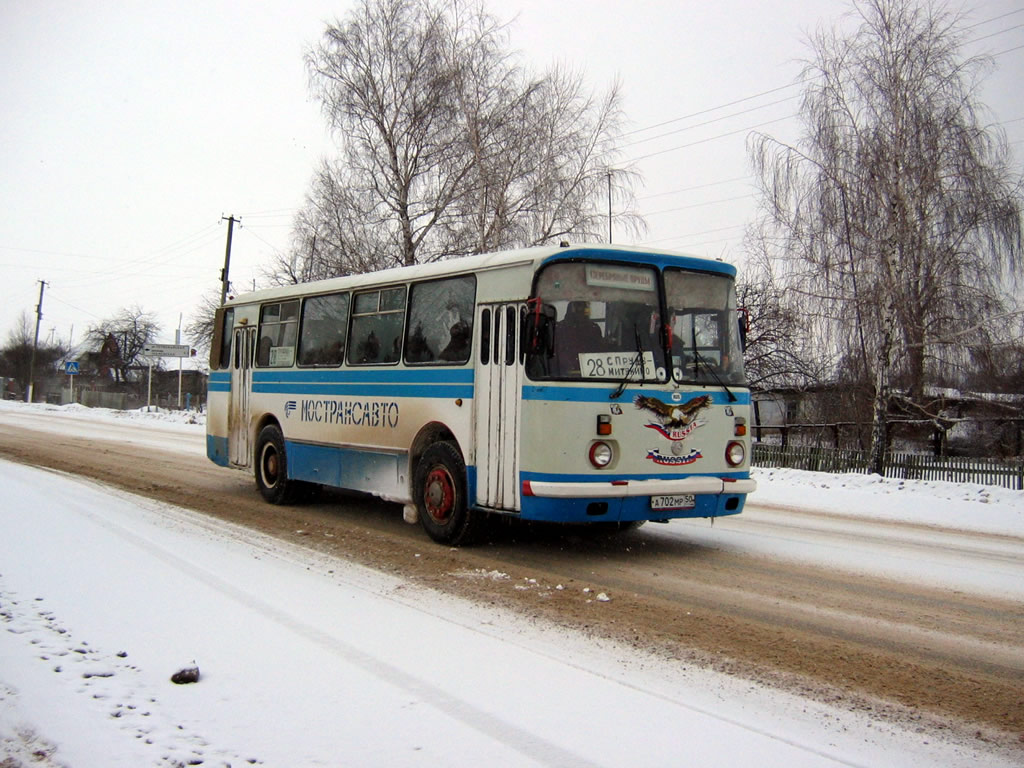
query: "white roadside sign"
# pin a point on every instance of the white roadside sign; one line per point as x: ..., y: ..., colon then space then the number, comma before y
x: 167, y: 350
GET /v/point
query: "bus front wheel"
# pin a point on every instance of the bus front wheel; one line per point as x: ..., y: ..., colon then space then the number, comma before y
x: 272, y: 467
x: 440, y: 494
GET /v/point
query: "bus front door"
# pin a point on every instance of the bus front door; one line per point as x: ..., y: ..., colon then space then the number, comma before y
x: 499, y: 381
x: 239, y: 439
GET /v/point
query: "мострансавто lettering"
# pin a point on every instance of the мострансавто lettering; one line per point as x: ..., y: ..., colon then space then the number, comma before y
x: 356, y: 413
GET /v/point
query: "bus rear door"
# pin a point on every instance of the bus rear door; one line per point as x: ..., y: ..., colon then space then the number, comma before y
x: 239, y: 439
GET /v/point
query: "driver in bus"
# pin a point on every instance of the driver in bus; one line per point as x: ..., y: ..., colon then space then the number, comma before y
x: 576, y: 334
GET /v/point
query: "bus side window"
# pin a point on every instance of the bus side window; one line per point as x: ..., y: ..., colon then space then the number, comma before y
x: 279, y: 325
x: 324, y: 325
x: 220, y: 346
x: 440, y: 328
x: 377, y: 320
x: 511, y: 328
x: 485, y: 336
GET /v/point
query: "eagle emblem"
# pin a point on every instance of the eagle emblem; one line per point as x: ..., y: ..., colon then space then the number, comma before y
x: 673, y: 417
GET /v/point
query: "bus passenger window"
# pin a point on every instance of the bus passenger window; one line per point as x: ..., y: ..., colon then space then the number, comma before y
x: 440, y: 328
x: 377, y: 320
x: 511, y: 326
x: 485, y: 337
x: 324, y: 325
x: 279, y: 325
x: 220, y: 345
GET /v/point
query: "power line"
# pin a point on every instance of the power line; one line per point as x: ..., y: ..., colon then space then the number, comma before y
x: 801, y: 81
x: 713, y: 109
x: 712, y: 138
x: 710, y: 122
x: 701, y: 205
x: 694, y: 188
x: 995, y: 18
x: 999, y: 32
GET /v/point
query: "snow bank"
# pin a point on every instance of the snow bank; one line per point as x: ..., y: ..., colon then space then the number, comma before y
x: 964, y: 506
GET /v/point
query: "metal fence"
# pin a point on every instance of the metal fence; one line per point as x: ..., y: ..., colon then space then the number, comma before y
x: 904, y: 466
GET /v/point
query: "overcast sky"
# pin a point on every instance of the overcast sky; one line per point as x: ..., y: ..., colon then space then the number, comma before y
x: 129, y: 129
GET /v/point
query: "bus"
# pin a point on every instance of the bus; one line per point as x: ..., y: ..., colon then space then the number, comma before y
x: 590, y: 384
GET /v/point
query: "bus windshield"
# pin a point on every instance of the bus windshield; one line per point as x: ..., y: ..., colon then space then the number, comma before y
x: 597, y: 321
x: 704, y: 323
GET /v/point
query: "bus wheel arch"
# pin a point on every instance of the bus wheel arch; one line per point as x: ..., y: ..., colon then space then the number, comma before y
x: 434, y: 432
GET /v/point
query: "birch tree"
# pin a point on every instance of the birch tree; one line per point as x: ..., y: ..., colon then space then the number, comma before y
x: 897, y: 214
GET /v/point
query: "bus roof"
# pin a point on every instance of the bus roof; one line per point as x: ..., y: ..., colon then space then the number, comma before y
x: 481, y: 262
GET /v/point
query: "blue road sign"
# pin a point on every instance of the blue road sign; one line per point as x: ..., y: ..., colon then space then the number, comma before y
x: 71, y: 367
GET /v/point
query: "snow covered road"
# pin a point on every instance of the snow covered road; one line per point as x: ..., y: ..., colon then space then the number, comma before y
x: 306, y: 660
x: 310, y: 659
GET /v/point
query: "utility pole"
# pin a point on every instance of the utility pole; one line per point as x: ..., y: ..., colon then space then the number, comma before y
x: 177, y: 340
x: 227, y: 258
x: 35, y: 343
x: 609, y: 206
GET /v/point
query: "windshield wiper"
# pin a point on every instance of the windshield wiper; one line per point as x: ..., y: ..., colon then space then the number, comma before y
x: 710, y: 369
x: 638, y: 361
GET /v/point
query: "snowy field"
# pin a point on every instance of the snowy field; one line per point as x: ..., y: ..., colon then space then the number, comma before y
x: 311, y: 661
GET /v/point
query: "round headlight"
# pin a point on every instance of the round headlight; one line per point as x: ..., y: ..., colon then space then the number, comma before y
x: 735, y: 453
x: 600, y: 454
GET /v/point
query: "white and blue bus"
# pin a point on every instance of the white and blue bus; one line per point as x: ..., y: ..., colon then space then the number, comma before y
x: 585, y: 384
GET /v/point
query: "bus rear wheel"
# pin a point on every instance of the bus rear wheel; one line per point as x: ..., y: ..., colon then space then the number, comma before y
x: 272, y: 467
x: 440, y: 495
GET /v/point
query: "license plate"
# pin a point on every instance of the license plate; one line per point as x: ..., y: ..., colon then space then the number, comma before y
x: 681, y: 501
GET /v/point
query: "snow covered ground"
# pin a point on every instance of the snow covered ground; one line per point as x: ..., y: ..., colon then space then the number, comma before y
x: 311, y: 661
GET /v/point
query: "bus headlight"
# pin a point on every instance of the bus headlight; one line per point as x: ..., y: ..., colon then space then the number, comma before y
x: 600, y: 454
x: 735, y: 453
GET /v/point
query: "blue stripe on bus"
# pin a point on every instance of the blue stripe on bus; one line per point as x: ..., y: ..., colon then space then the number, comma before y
x: 219, y: 381
x: 569, y: 394
x: 359, y: 470
x: 217, y: 449
x: 660, y: 260
x: 366, y: 390
x: 348, y: 376
x: 399, y: 382
x: 625, y: 509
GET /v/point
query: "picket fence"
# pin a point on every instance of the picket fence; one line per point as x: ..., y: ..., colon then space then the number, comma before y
x: 904, y: 466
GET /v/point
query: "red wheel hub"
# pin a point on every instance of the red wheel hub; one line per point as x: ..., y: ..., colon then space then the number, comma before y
x: 439, y: 495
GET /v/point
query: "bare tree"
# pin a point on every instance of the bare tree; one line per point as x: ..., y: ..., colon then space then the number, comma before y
x: 121, y: 339
x: 16, y: 354
x: 199, y: 328
x: 777, y: 350
x: 447, y: 145
x: 897, y: 214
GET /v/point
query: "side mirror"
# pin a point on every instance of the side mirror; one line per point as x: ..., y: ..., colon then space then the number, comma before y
x: 743, y: 316
x: 539, y: 334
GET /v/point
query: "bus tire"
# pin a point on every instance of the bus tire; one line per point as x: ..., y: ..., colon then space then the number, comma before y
x: 439, y: 487
x: 271, y: 467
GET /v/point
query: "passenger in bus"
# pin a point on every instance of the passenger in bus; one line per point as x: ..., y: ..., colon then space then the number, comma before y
x: 369, y: 350
x: 263, y: 351
x: 418, y: 350
x: 576, y: 334
x: 458, y: 343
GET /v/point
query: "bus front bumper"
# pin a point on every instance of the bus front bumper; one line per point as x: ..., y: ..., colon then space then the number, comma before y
x: 629, y: 488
